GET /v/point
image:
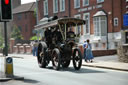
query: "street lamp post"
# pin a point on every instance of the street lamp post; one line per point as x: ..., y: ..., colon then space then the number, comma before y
x: 37, y: 11
x: 37, y: 20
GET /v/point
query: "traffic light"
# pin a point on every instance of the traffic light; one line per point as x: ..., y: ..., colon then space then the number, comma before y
x: 6, y: 10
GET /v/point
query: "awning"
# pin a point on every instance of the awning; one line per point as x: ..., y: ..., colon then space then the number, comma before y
x: 99, y: 13
x: 68, y: 21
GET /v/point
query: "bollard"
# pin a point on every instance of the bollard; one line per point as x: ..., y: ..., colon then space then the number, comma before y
x: 9, y: 67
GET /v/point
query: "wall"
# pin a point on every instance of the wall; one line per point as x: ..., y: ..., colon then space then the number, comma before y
x: 27, y: 21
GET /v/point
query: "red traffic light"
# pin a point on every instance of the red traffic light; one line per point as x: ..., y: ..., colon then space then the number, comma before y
x: 6, y: 2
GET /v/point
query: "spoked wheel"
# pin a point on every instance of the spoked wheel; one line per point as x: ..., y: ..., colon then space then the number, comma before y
x: 77, y: 59
x: 41, y: 56
x: 65, y: 63
x: 56, y: 59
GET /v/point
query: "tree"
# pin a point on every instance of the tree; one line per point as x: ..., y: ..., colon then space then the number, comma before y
x: 35, y: 14
x: 16, y: 33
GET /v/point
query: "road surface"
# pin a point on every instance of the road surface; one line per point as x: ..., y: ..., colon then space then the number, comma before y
x: 33, y: 75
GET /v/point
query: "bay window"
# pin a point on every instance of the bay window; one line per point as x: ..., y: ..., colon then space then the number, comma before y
x: 100, y: 26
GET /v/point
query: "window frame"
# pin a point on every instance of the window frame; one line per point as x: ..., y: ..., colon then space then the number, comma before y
x: 76, y: 31
x: 84, y: 26
x: 45, y: 7
x: 116, y: 24
x: 75, y: 5
x: 54, y: 6
x: 84, y: 3
x: 61, y: 2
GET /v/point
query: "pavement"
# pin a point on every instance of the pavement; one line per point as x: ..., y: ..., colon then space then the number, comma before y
x: 107, y: 62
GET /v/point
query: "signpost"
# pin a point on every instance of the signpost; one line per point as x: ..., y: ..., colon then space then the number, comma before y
x: 6, y: 16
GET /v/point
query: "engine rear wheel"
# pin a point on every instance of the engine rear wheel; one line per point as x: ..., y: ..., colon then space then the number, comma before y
x: 41, y: 58
x: 77, y: 59
x: 56, y: 59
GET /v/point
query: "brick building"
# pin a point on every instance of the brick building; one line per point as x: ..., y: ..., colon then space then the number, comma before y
x: 104, y: 19
x: 15, y: 3
x: 24, y: 19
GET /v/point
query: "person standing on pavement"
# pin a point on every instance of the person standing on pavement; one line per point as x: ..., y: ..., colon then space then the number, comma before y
x: 35, y: 48
x: 89, y: 55
x: 32, y: 45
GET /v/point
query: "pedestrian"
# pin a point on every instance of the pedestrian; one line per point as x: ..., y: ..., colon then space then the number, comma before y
x: 89, y: 55
x: 35, y: 48
x: 84, y: 46
x: 32, y: 45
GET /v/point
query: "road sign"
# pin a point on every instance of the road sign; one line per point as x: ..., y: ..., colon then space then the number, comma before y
x: 9, y: 67
x: 9, y: 60
x: 125, y: 20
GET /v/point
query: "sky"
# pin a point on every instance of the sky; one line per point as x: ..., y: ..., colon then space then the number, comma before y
x: 27, y: 1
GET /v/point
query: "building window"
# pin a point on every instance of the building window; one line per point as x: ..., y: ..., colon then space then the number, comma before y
x: 100, y: 26
x: 76, y: 3
x: 116, y: 44
x: 46, y: 7
x: 19, y: 27
x: 62, y: 5
x: 115, y: 21
x: 85, y: 2
x: 86, y: 28
x: 25, y: 15
x: 78, y: 28
x: 55, y: 6
x: 100, y: 1
x: 26, y: 28
x: 19, y: 16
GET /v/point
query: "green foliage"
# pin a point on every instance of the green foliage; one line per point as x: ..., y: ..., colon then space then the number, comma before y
x: 16, y: 34
x: 35, y: 12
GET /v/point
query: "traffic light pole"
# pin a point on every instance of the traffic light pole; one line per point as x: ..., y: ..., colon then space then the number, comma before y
x: 5, y: 37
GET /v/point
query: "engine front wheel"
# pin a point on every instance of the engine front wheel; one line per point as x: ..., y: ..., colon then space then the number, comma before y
x: 77, y: 59
x: 56, y: 59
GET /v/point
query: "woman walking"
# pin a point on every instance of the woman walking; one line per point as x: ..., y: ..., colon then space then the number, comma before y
x: 89, y: 55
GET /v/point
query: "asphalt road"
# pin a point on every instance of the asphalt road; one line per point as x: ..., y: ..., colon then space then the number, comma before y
x: 33, y: 75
